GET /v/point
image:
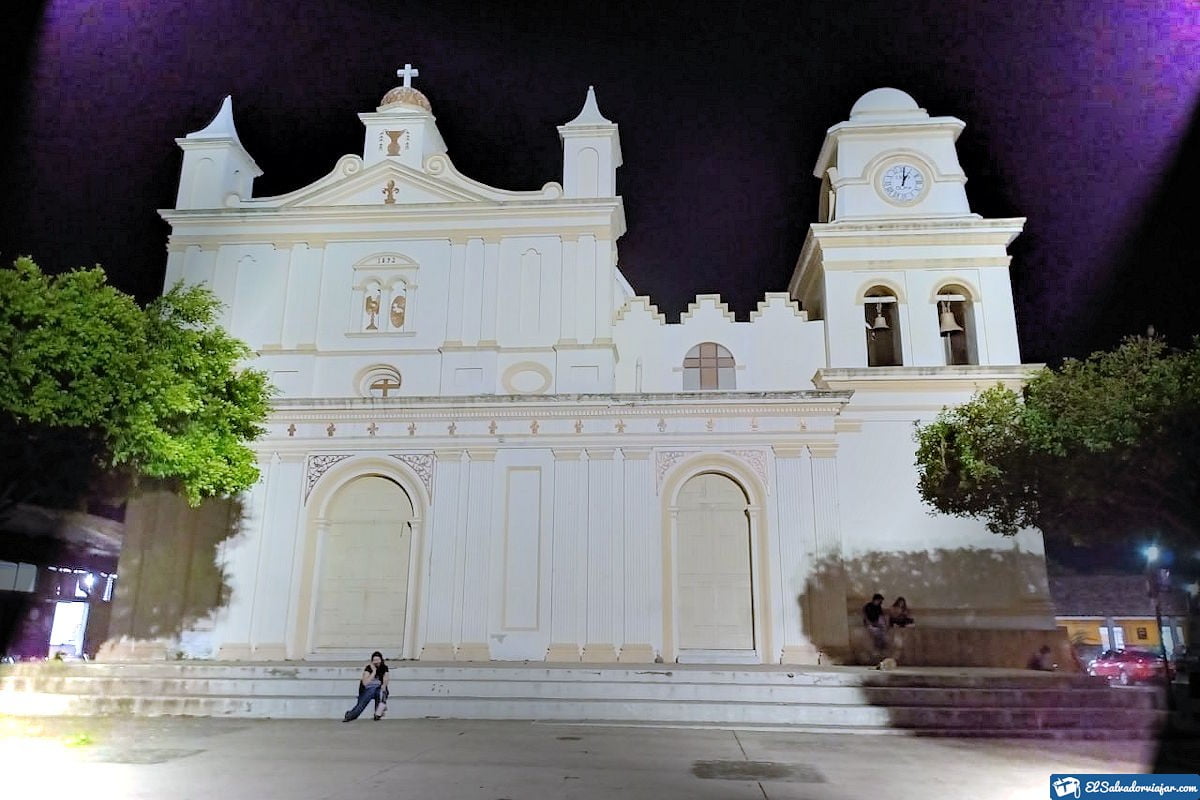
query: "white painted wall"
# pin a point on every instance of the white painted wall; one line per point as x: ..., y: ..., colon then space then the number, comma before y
x: 548, y: 530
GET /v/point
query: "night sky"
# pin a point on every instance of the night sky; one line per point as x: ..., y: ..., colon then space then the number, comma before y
x: 1080, y: 116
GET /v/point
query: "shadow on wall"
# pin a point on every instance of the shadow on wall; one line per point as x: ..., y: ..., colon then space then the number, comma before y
x: 169, y: 580
x: 973, y: 607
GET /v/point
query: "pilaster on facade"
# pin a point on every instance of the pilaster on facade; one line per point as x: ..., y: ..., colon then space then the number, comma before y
x: 641, y: 566
x: 454, y: 299
x: 476, y: 550
x: 488, y: 308
x: 601, y: 548
x: 826, y: 604
x: 569, y: 289
x: 441, y: 597
x: 795, y: 542
x: 567, y: 554
x: 583, y: 304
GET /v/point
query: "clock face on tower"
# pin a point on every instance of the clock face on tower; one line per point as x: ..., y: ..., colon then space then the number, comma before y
x: 902, y: 183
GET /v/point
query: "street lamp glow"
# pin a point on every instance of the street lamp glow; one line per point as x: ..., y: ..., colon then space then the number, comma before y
x: 1152, y: 552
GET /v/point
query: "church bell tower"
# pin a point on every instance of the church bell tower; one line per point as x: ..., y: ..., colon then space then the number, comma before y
x: 898, y: 267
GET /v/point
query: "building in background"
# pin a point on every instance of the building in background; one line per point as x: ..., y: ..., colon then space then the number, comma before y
x: 57, y: 576
x: 1115, y: 612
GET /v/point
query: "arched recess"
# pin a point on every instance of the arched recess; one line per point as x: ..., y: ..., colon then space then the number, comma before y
x: 321, y: 517
x: 881, y: 310
x: 957, y: 305
x: 752, y: 488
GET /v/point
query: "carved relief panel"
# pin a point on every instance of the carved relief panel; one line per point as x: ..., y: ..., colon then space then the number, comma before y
x: 383, y: 295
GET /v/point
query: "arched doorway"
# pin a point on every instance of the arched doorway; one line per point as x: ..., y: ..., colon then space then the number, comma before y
x: 714, y: 583
x: 362, y: 586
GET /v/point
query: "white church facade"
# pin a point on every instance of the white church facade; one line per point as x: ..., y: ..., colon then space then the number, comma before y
x: 487, y: 446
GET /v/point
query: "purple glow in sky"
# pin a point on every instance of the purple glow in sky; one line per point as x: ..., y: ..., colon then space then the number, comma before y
x: 1078, y: 114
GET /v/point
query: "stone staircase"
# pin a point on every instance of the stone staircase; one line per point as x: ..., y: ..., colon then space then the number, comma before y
x: 924, y: 701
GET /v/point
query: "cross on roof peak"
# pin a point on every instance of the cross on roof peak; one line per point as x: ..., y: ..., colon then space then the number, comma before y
x: 408, y: 73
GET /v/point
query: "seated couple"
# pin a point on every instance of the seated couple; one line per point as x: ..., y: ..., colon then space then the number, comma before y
x: 878, y: 619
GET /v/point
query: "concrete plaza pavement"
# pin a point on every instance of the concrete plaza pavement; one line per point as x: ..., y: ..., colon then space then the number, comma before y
x: 181, y: 758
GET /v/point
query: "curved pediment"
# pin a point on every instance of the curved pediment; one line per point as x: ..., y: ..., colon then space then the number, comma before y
x: 390, y: 183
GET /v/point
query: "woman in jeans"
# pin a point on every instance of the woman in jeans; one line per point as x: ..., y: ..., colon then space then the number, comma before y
x: 373, y: 685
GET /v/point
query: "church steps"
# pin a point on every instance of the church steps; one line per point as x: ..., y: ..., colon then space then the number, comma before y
x: 974, y: 703
x: 680, y: 691
x: 931, y: 678
x: 948, y: 720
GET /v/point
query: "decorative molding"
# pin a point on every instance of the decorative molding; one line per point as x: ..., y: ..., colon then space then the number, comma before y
x: 316, y: 466
x: 563, y: 652
x: 641, y: 303
x: 757, y: 460
x: 473, y: 651
x: 713, y: 301
x: 421, y: 464
x: 437, y: 652
x: 847, y: 425
x: 636, y: 654
x: 784, y: 300
x: 665, y: 459
x: 599, y: 653
x: 823, y: 449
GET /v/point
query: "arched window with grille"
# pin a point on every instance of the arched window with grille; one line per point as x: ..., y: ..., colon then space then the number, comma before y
x: 709, y: 366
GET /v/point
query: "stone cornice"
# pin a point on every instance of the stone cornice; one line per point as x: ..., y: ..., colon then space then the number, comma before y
x: 564, y: 447
x: 922, y: 232
x: 470, y: 219
x: 724, y: 404
x: 967, y: 378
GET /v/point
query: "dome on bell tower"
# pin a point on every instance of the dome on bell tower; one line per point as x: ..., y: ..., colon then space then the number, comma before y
x: 405, y: 94
x: 886, y: 103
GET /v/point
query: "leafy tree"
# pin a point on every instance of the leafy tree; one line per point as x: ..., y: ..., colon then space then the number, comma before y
x: 94, y: 388
x: 1095, y: 451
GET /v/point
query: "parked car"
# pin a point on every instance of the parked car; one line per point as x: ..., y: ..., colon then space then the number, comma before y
x: 1129, y: 666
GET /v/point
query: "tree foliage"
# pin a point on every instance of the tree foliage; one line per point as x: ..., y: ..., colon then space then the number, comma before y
x: 94, y: 386
x: 1096, y: 450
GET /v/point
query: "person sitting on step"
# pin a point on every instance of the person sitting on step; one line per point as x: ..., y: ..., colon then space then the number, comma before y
x: 876, y: 622
x: 899, y: 616
x: 373, y: 685
x: 1042, y: 660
